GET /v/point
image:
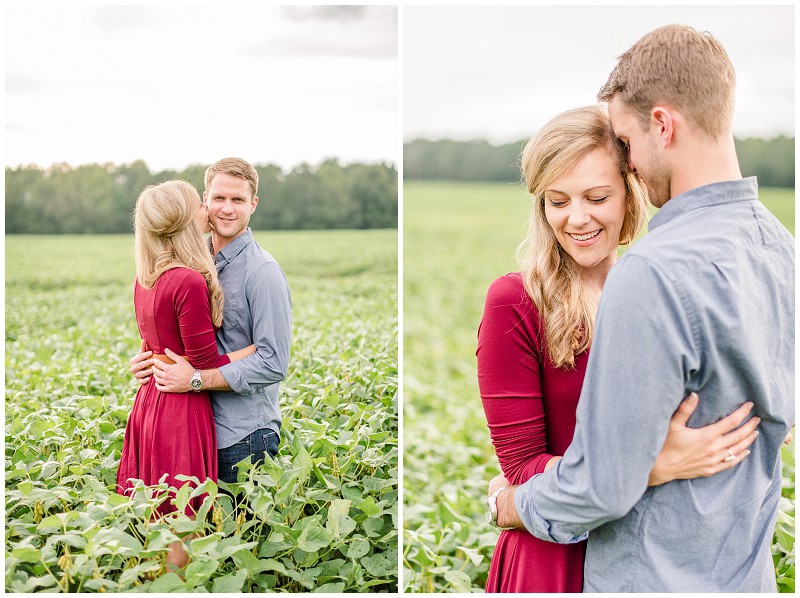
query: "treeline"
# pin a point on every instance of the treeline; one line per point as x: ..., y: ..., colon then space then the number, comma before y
x: 771, y: 160
x: 99, y: 198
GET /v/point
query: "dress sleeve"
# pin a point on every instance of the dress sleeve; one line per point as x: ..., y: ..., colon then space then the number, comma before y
x: 193, y: 308
x: 509, y: 367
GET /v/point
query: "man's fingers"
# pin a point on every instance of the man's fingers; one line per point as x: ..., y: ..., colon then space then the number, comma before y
x: 171, y: 354
x: 788, y: 439
x: 685, y: 410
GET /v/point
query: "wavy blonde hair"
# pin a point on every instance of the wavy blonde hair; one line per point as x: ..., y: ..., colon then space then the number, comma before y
x: 551, y: 277
x: 167, y: 237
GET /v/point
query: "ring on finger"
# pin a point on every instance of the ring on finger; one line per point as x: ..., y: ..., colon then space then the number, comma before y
x: 730, y: 457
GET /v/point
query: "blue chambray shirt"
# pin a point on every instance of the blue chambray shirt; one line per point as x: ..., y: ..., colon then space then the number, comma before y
x: 704, y: 302
x: 258, y: 310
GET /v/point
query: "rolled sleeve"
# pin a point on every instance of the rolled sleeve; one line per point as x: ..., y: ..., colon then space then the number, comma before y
x: 643, y: 355
x: 270, y: 304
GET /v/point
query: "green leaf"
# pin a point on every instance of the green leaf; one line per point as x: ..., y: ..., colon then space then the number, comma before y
x: 198, y: 572
x: 229, y: 583
x: 330, y: 588
x: 339, y: 522
x: 357, y: 548
x: 369, y: 506
x: 314, y: 537
x: 170, y: 582
x: 27, y: 554
x: 460, y: 580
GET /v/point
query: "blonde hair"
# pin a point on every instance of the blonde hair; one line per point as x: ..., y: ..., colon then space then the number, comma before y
x: 234, y: 167
x: 551, y: 277
x: 683, y: 67
x: 167, y: 237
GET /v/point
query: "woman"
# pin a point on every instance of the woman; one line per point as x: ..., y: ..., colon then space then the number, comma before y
x: 178, y: 302
x: 537, y: 326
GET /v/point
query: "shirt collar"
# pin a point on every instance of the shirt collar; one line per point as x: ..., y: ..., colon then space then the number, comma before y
x: 708, y: 195
x: 228, y: 253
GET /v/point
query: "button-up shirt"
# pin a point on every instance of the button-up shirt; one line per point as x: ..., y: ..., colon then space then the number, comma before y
x: 704, y: 302
x: 258, y: 310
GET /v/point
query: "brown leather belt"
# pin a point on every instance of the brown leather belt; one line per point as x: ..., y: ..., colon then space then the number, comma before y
x: 162, y: 357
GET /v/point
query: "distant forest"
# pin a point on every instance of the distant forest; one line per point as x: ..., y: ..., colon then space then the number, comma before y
x: 99, y: 198
x: 771, y: 160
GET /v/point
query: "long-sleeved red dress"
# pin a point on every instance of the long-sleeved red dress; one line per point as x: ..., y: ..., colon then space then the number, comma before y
x: 173, y: 433
x: 530, y: 408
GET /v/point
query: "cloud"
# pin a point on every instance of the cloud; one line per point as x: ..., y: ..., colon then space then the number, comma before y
x: 21, y: 83
x: 342, y: 14
x: 322, y: 48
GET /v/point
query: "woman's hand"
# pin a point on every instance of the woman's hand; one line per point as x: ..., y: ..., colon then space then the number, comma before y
x: 700, y: 452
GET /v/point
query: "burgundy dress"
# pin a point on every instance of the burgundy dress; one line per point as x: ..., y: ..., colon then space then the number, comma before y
x: 173, y: 433
x: 530, y: 407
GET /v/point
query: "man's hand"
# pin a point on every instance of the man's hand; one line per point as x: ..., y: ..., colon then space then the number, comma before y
x: 173, y: 377
x: 141, y: 365
x: 506, y: 511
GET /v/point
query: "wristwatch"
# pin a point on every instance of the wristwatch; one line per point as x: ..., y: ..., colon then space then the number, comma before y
x: 196, y: 382
x: 491, y: 508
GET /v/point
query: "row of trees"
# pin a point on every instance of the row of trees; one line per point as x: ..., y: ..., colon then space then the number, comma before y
x: 771, y: 160
x: 99, y: 198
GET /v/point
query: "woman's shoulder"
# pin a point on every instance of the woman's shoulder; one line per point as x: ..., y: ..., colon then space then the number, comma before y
x: 508, y: 289
x: 183, y: 276
x: 508, y: 293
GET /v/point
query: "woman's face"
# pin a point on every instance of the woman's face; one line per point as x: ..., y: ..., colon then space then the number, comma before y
x: 586, y: 209
x: 201, y: 218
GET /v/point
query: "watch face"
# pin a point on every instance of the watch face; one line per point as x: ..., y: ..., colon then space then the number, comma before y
x: 488, y: 511
x: 197, y: 384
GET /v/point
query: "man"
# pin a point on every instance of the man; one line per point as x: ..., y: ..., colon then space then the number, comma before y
x: 703, y: 303
x: 258, y: 310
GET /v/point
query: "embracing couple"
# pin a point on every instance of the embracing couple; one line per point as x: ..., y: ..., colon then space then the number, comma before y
x: 215, y: 320
x: 611, y: 482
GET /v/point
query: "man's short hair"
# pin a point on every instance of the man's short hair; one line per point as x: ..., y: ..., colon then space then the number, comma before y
x: 680, y: 67
x: 234, y: 167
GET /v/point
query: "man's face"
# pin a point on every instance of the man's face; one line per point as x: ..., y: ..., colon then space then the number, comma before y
x: 644, y: 153
x: 230, y: 204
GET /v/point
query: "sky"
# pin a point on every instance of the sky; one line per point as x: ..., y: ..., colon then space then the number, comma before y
x: 180, y: 85
x: 500, y: 73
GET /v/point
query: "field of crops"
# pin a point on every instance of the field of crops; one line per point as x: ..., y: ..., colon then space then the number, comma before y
x: 457, y: 239
x: 322, y: 517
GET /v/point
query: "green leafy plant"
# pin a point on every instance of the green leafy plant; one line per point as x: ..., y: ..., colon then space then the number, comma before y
x: 321, y: 517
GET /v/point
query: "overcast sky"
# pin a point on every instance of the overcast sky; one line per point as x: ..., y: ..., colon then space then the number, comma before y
x: 502, y: 72
x: 176, y: 85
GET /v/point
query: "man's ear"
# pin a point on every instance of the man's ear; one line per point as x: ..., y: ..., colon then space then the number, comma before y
x: 663, y: 118
x: 253, y: 204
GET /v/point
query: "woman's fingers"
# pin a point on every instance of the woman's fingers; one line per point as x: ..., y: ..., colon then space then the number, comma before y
x: 742, y: 445
x: 732, y: 421
x: 685, y: 410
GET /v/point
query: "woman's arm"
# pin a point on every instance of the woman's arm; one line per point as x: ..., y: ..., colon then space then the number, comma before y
x: 509, y: 380
x: 241, y: 353
x: 700, y: 452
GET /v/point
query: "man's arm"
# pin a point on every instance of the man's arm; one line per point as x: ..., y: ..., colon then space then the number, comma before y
x: 270, y: 305
x: 643, y: 355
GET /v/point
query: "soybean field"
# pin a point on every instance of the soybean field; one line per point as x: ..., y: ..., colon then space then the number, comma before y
x: 322, y: 517
x: 459, y: 237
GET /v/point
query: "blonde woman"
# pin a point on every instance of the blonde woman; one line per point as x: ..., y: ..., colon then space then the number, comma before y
x: 178, y: 303
x: 537, y: 327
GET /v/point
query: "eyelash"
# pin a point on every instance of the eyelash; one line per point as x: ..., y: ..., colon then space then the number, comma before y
x: 558, y: 204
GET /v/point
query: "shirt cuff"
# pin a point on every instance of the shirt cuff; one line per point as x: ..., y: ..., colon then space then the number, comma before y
x: 536, y: 524
x: 233, y: 376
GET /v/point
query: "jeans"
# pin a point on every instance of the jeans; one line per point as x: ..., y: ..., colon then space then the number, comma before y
x: 255, y: 445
